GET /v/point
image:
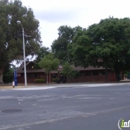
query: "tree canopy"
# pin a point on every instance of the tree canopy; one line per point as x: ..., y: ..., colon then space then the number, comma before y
x: 49, y: 63
x: 11, y: 33
x: 104, y: 44
x: 41, y: 53
x: 60, y: 45
x: 67, y: 69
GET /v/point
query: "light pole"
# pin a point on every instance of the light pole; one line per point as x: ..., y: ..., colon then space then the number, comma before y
x: 24, y: 58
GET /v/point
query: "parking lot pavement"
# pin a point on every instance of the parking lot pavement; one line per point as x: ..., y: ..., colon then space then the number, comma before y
x: 79, y: 107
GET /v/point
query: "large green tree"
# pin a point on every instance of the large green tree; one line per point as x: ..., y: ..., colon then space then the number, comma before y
x: 60, y: 45
x: 11, y: 33
x: 104, y: 44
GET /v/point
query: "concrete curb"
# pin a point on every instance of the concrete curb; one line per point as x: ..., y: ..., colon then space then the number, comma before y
x: 61, y: 85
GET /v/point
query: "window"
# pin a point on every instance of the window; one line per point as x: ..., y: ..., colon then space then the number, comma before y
x: 101, y: 72
x: 31, y: 75
x: 95, y: 72
x: 37, y: 75
x: 88, y: 73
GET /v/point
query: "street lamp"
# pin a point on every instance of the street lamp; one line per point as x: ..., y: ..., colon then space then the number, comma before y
x: 25, y: 73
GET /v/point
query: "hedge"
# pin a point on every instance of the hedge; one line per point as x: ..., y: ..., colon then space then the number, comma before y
x: 55, y: 79
x: 39, y: 80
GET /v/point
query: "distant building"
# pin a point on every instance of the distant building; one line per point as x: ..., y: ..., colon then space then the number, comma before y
x: 89, y: 74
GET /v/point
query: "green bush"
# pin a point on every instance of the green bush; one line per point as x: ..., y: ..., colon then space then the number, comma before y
x: 55, y: 79
x: 8, y: 75
x: 39, y: 81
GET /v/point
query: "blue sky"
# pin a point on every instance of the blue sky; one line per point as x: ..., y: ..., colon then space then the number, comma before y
x: 52, y: 14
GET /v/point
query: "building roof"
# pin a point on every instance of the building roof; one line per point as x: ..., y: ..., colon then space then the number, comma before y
x: 30, y: 69
x: 87, y: 68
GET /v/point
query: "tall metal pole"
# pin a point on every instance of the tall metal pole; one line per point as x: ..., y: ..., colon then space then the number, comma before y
x: 24, y: 58
x: 25, y: 73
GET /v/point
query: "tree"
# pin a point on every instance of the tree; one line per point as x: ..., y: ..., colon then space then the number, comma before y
x: 49, y: 63
x: 105, y: 44
x: 75, y: 74
x: 60, y: 45
x: 8, y: 75
x: 41, y: 53
x: 68, y: 71
x: 11, y: 33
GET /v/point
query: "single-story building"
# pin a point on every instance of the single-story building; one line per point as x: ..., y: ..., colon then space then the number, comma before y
x: 89, y: 74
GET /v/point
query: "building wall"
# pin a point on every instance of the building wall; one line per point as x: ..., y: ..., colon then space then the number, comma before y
x: 97, y: 77
x: 31, y: 77
x: 84, y: 76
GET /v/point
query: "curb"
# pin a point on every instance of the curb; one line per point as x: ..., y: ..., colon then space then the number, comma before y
x: 58, y: 85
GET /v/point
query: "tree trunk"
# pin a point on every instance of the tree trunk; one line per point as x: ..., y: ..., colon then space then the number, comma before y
x: 1, y: 77
x: 47, y: 78
x: 117, y: 76
x: 117, y: 71
x: 106, y: 74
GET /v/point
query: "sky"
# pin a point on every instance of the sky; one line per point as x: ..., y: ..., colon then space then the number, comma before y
x: 53, y: 14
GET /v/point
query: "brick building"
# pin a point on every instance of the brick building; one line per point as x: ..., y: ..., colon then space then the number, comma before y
x: 89, y: 74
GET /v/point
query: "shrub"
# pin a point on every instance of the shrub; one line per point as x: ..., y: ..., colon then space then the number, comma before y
x: 39, y: 81
x: 55, y: 79
x: 8, y: 75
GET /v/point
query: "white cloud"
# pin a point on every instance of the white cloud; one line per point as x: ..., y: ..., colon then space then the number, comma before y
x: 53, y: 14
